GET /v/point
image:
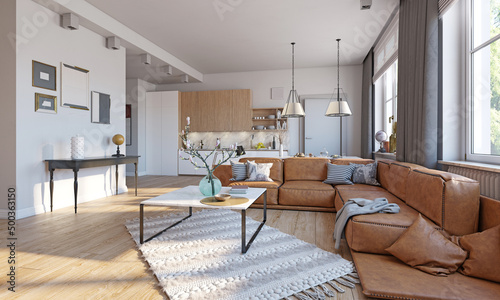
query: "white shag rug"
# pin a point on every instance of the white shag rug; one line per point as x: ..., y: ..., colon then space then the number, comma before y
x: 201, y: 259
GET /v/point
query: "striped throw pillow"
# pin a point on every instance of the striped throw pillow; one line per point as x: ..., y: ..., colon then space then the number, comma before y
x: 339, y: 174
x: 239, y: 171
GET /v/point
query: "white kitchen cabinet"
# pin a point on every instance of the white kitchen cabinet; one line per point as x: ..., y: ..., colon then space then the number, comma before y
x: 162, y: 132
x: 187, y: 168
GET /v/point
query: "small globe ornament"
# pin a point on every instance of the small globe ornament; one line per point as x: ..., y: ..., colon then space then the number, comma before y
x: 381, y: 137
x: 118, y: 140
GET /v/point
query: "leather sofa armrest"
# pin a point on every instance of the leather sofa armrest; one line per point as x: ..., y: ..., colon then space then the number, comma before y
x: 224, y: 173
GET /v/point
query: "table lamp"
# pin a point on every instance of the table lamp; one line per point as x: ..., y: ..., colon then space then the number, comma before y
x: 118, y: 139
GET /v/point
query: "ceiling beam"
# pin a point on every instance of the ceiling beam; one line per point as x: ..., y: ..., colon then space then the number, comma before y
x: 103, y: 24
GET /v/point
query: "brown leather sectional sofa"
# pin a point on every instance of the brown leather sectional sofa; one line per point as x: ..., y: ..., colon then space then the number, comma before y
x: 297, y: 182
x: 449, y: 201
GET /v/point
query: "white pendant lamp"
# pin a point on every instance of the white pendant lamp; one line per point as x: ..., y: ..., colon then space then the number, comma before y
x: 293, y: 108
x: 338, y: 106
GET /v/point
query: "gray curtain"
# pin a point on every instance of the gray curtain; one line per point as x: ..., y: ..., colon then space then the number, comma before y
x: 417, y: 117
x: 367, y: 107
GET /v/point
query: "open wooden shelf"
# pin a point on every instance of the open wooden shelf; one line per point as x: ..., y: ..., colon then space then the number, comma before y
x: 258, y: 113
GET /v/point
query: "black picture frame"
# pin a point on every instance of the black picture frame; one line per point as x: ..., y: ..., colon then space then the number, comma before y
x: 44, y: 76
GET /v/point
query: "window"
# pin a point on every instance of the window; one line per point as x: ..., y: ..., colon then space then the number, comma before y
x: 484, y: 81
x: 386, y: 96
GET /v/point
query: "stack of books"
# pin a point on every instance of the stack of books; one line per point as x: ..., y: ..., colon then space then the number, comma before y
x: 239, y: 189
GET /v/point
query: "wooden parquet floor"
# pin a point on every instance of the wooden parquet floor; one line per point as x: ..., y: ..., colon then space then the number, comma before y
x: 90, y: 255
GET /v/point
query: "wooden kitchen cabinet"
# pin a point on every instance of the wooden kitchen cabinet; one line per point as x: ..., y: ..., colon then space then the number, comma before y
x: 242, y: 110
x: 227, y: 110
x: 189, y: 108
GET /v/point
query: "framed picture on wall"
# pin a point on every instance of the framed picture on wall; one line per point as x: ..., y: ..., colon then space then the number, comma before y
x: 45, y: 103
x: 101, y: 104
x: 74, y: 87
x: 44, y: 76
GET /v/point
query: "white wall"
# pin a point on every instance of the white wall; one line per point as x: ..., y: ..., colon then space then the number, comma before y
x: 8, y: 111
x: 43, y: 136
x: 136, y: 96
x: 308, y: 82
x: 454, y: 112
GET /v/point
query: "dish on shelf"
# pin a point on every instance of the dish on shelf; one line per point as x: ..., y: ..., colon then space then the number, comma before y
x: 271, y: 127
x: 271, y: 117
x: 259, y: 127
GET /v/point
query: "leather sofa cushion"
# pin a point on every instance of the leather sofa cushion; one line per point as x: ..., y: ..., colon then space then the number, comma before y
x: 276, y: 173
x: 224, y: 173
x: 347, y: 161
x: 305, y: 168
x: 392, y: 176
x: 272, y: 190
x: 484, y: 254
x: 374, y: 233
x: 384, y: 276
x: 259, y: 184
x: 489, y: 210
x: 424, y: 248
x: 306, y: 193
x: 449, y: 200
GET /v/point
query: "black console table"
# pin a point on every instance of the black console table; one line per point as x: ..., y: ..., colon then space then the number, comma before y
x: 93, y: 162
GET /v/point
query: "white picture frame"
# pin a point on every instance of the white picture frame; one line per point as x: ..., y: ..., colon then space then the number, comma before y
x: 74, y: 87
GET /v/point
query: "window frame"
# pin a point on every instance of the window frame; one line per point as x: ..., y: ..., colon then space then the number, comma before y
x: 394, y: 97
x: 469, y: 90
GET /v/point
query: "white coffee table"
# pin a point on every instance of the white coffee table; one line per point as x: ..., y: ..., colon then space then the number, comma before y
x: 191, y: 196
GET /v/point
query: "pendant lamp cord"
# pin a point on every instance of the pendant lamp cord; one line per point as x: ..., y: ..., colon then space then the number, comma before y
x: 338, y: 69
x: 293, y: 66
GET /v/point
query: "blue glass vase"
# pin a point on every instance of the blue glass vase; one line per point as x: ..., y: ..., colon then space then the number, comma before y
x: 210, y: 185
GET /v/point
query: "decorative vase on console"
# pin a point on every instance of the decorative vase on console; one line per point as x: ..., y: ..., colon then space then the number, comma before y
x: 209, y: 185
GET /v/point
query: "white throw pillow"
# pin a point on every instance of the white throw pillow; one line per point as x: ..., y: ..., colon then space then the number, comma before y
x: 258, y: 172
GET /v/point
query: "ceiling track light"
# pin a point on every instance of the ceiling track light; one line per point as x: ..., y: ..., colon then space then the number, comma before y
x: 365, y: 4
x: 185, y: 78
x: 113, y: 43
x: 167, y: 70
x: 70, y: 21
x: 146, y: 58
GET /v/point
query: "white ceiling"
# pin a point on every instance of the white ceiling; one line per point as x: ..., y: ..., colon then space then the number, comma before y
x: 219, y: 36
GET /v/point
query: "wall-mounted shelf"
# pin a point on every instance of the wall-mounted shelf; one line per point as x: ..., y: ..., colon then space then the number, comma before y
x: 260, y: 117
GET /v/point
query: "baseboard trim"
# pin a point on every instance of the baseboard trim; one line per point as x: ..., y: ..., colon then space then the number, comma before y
x: 20, y: 214
x: 132, y: 174
x: 41, y: 209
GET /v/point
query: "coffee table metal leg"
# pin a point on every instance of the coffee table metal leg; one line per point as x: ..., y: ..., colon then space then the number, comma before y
x: 141, y: 237
x: 244, y: 246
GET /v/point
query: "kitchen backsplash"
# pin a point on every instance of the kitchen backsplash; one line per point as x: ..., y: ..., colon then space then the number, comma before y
x: 243, y: 138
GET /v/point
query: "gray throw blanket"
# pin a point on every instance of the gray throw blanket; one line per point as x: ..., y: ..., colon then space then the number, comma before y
x: 360, y: 206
